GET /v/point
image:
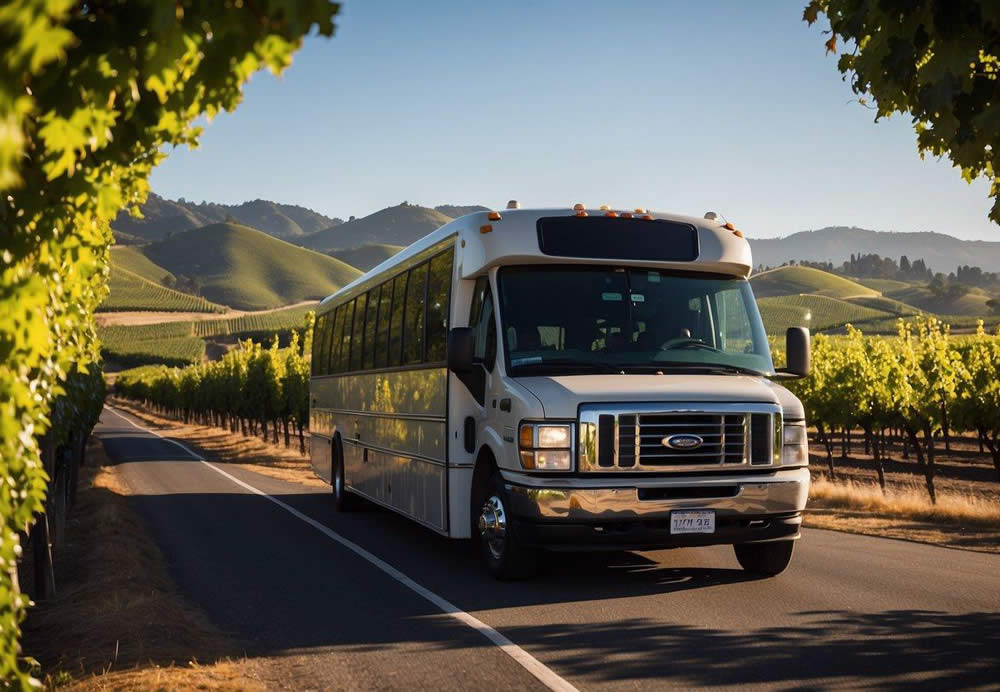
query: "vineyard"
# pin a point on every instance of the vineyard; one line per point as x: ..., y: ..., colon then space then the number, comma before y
x: 252, y: 389
x: 129, y: 291
x: 816, y: 312
x: 183, y: 343
x: 917, y: 388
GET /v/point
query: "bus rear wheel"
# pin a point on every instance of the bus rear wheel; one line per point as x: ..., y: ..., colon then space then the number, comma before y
x: 343, y: 500
x: 504, y: 554
x: 766, y: 559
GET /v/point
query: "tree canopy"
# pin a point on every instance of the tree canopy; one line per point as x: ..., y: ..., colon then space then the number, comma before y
x: 936, y: 60
x: 92, y: 95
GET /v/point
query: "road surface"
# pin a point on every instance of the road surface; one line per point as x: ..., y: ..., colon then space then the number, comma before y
x: 357, y: 601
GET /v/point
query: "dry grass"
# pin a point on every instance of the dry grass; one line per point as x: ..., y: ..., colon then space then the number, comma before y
x: 911, y: 502
x: 232, y: 448
x: 116, y: 621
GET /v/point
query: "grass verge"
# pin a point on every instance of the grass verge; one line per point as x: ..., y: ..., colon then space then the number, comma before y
x: 117, y: 622
x: 958, y: 520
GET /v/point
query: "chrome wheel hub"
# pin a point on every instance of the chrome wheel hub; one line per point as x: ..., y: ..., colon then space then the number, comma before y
x: 493, y: 526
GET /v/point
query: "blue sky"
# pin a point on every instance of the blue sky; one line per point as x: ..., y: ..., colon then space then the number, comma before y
x: 729, y: 106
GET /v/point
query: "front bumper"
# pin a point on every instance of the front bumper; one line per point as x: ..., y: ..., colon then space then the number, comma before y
x: 634, y: 513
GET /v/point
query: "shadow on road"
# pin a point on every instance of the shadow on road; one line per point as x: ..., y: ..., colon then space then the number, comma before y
x: 282, y: 586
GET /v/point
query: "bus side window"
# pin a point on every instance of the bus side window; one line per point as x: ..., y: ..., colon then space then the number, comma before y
x: 319, y: 332
x: 336, y: 335
x: 344, y: 355
x: 371, y: 321
x: 438, y: 306
x: 396, y: 325
x: 382, y: 335
x: 413, y: 319
x: 357, y: 334
x: 486, y: 333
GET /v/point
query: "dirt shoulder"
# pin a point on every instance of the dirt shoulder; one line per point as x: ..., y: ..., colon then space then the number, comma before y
x: 138, y: 317
x: 232, y: 448
x: 117, y: 621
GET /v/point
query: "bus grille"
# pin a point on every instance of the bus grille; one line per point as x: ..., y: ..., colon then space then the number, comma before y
x: 677, y: 440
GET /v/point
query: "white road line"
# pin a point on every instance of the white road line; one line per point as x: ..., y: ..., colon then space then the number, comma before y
x: 543, y: 673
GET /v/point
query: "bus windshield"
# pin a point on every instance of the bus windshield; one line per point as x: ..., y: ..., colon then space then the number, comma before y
x: 576, y: 320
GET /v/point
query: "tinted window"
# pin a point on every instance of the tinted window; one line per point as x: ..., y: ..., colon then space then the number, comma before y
x: 396, y: 325
x: 384, y: 314
x: 413, y: 319
x: 357, y: 334
x: 438, y: 305
x: 319, y: 332
x: 611, y: 238
x: 371, y: 322
x: 344, y: 354
x: 337, y: 335
x: 485, y: 327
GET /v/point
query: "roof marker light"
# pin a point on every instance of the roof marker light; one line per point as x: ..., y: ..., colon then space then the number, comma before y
x: 738, y: 233
x: 640, y: 210
x: 729, y: 226
x: 611, y: 214
x: 647, y: 217
x: 626, y: 215
x: 486, y: 228
x: 578, y: 206
x: 604, y: 207
x: 711, y: 215
x: 493, y: 216
x: 581, y: 213
x: 513, y: 204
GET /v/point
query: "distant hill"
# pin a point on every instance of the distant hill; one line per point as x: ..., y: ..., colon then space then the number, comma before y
x: 456, y: 210
x: 244, y: 268
x: 794, y: 280
x: 366, y: 256
x: 399, y: 225
x: 132, y: 259
x: 942, y: 253
x: 129, y: 291
x: 162, y: 217
x: 971, y: 304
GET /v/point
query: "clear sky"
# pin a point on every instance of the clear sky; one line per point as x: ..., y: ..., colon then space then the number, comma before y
x: 676, y: 106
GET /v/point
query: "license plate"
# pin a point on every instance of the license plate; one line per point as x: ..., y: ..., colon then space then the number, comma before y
x: 701, y: 521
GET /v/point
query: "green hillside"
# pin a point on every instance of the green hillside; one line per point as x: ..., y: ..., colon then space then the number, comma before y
x: 884, y: 285
x: 816, y: 312
x: 129, y: 291
x: 793, y: 280
x: 399, y: 225
x: 971, y: 304
x: 885, y: 304
x: 366, y: 256
x: 247, y: 269
x: 132, y: 259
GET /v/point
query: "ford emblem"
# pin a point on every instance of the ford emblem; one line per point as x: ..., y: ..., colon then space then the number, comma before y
x: 682, y: 442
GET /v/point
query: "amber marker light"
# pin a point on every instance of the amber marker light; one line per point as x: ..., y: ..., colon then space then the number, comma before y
x: 647, y: 217
x: 487, y: 228
x: 612, y: 214
x: 604, y: 207
x: 738, y: 233
x: 578, y: 206
x: 640, y: 210
x: 581, y: 213
x: 493, y: 216
x: 626, y: 215
x: 729, y: 226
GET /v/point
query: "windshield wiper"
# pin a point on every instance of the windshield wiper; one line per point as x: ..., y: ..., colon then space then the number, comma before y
x: 723, y: 367
x: 570, y: 363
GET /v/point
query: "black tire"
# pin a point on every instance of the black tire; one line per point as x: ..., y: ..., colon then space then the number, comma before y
x: 343, y: 499
x: 502, y: 551
x: 767, y: 559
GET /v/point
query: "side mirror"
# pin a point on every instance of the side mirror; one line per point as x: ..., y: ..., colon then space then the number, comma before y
x: 797, y: 352
x: 461, y: 348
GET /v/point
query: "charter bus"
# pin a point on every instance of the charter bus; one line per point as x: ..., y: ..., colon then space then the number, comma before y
x: 565, y: 379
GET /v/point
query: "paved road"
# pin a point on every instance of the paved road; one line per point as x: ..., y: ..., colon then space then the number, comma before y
x: 851, y: 611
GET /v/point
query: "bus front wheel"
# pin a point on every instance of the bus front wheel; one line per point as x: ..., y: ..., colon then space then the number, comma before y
x: 343, y: 500
x: 505, y: 556
x: 765, y: 559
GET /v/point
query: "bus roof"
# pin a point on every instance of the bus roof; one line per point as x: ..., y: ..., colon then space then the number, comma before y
x: 514, y: 236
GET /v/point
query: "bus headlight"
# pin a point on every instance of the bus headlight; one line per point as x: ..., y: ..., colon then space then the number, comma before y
x: 795, y: 445
x: 545, y: 447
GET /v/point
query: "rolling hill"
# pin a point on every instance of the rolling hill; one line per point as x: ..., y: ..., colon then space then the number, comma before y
x: 399, y: 225
x: 366, y: 256
x: 132, y: 259
x: 456, y: 210
x: 130, y: 291
x: 819, y: 313
x: 163, y: 217
x: 942, y: 253
x: 971, y: 304
x: 793, y: 280
x: 244, y: 268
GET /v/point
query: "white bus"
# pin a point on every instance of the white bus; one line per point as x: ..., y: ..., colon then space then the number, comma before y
x: 565, y: 379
